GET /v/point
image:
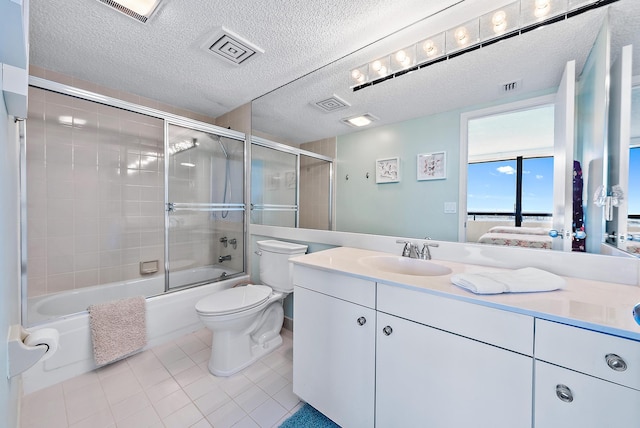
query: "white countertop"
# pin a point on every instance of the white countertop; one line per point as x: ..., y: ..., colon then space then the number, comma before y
x: 595, y: 305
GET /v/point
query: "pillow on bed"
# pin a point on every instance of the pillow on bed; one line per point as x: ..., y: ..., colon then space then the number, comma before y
x: 520, y: 230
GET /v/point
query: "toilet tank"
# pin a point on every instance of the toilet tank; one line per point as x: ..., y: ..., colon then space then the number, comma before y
x: 275, y: 270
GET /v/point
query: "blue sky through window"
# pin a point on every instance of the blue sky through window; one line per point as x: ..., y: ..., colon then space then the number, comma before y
x: 634, y: 181
x: 492, y: 186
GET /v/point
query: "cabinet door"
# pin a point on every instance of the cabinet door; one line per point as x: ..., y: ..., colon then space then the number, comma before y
x: 430, y: 378
x: 565, y: 398
x: 334, y: 357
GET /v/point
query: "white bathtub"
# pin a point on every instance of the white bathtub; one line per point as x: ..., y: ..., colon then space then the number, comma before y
x: 169, y: 316
x: 53, y: 306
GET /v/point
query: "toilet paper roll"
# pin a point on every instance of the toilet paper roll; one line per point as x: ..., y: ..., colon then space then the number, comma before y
x: 44, y: 336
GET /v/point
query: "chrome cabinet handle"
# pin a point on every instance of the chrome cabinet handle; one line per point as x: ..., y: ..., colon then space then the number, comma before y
x: 564, y: 393
x: 615, y: 362
x: 387, y: 330
x: 362, y: 321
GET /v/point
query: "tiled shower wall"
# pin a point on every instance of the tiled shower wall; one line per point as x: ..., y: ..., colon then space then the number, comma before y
x: 95, y: 192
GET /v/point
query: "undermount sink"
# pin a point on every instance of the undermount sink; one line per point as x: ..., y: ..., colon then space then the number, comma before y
x: 405, y: 265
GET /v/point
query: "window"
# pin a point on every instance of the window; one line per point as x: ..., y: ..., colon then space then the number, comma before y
x: 494, y: 188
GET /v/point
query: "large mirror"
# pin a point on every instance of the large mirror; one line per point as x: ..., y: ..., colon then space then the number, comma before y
x: 418, y: 117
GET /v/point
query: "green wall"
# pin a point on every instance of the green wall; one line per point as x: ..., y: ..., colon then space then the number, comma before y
x: 409, y: 208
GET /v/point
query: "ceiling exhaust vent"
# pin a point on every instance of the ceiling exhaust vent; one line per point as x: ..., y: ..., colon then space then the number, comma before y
x: 510, y: 87
x: 143, y: 9
x: 332, y: 103
x: 231, y: 47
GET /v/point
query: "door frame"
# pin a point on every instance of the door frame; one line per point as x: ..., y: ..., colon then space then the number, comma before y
x: 525, y: 104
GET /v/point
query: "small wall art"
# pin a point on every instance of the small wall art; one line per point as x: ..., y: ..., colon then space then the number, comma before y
x: 432, y: 166
x: 388, y: 170
x: 290, y: 179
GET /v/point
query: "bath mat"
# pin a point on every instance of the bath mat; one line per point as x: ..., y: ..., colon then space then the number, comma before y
x: 308, y: 417
x: 118, y: 328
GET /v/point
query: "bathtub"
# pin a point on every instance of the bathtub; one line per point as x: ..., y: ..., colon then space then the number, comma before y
x: 169, y: 316
x: 54, y: 306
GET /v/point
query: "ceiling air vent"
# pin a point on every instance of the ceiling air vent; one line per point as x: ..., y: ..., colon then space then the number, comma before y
x: 332, y: 103
x: 231, y: 47
x: 510, y: 87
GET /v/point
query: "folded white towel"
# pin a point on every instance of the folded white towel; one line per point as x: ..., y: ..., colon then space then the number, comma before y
x: 515, y: 281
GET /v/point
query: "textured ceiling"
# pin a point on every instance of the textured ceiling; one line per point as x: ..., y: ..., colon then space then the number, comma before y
x: 309, y: 49
x: 537, y: 58
x: 164, y: 59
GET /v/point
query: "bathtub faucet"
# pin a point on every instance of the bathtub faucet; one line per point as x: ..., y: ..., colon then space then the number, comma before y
x: 223, y: 258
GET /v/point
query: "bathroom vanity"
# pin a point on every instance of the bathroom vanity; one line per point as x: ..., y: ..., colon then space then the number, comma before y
x: 386, y: 348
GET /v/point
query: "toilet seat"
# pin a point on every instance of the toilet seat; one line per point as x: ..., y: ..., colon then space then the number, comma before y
x: 234, y: 300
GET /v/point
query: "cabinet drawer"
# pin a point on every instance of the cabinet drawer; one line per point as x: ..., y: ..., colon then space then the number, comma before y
x: 564, y: 398
x: 500, y: 328
x: 344, y: 287
x: 589, y: 352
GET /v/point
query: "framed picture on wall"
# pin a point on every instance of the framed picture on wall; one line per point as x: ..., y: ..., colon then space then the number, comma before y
x: 388, y: 170
x: 290, y: 179
x: 432, y: 166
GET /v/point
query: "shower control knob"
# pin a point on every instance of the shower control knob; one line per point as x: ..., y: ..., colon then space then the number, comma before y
x: 387, y: 330
x: 362, y: 321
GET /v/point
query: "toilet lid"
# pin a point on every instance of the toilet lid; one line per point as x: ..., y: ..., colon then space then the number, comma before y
x: 234, y: 299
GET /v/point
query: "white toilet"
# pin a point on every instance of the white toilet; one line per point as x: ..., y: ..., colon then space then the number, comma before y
x: 246, y: 320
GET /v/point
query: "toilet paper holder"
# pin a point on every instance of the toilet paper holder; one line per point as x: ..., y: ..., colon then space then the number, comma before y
x: 22, y: 356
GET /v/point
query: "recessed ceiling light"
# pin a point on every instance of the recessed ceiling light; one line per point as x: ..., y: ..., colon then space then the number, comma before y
x: 360, y: 120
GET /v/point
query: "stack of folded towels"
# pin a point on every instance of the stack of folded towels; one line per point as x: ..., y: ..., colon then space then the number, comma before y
x: 515, y: 281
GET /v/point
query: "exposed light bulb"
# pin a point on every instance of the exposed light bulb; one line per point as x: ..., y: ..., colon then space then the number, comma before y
x: 430, y: 48
x: 382, y: 71
x: 406, y: 62
x: 376, y: 65
x: 401, y: 56
x: 356, y: 74
x: 542, y: 8
x: 499, y: 21
x: 461, y: 35
x: 360, y: 78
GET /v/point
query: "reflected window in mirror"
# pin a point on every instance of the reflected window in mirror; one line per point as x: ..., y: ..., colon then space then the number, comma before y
x: 633, y: 226
x: 510, y: 178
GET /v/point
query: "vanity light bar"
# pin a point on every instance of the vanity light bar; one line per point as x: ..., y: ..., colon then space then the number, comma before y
x: 511, y: 20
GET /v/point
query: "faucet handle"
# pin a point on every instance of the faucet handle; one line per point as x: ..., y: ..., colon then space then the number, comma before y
x: 429, y: 243
x: 406, y: 251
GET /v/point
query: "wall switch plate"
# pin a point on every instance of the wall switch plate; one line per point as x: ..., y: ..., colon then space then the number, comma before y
x: 450, y: 208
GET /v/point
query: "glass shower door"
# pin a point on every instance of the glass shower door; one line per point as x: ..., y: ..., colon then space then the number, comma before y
x: 274, y: 187
x: 205, y: 206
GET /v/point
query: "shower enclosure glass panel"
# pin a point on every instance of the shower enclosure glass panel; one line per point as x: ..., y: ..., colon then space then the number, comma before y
x: 274, y: 187
x: 94, y: 194
x: 205, y: 206
x: 315, y: 193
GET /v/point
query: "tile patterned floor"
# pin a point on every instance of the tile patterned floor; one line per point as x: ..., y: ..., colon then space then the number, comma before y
x: 169, y: 386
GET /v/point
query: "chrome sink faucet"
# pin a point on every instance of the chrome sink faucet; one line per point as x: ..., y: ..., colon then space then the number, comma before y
x: 411, y: 249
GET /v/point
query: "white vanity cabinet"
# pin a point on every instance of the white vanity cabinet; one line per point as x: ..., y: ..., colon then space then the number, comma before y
x: 334, y: 345
x: 584, y: 378
x: 370, y: 354
x: 435, y: 378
